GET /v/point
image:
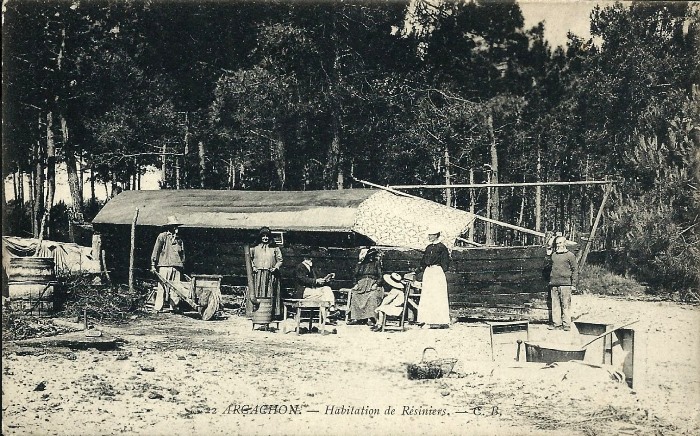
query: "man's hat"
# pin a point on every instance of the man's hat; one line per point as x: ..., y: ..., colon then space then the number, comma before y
x: 393, y: 279
x: 265, y: 231
x: 172, y: 222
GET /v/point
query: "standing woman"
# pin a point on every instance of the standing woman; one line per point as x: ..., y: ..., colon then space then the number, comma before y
x: 266, y: 258
x: 434, y: 308
x: 366, y: 296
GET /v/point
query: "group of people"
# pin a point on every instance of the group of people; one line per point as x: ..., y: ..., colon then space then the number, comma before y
x: 374, y: 296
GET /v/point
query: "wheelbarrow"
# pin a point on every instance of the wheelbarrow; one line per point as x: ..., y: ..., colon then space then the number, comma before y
x: 548, y: 352
x: 201, y: 292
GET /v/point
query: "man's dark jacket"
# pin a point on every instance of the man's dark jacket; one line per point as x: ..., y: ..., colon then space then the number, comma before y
x: 303, y: 278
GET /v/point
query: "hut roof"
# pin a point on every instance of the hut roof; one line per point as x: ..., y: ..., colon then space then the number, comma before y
x: 385, y: 218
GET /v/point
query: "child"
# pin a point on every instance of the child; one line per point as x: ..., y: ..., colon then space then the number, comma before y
x: 393, y: 303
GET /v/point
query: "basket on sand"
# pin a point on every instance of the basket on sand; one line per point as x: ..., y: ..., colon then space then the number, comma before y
x: 430, y: 369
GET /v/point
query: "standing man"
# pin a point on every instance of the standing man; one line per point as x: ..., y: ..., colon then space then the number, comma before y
x: 168, y: 260
x: 562, y: 281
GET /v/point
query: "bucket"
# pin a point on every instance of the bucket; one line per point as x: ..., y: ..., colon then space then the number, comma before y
x: 263, y: 315
x: 548, y: 353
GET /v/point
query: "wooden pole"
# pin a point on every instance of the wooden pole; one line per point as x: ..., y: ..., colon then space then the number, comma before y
x: 472, y: 204
x: 131, y: 250
x: 510, y: 226
x: 472, y: 243
x: 479, y: 217
x: 251, y: 284
x: 505, y: 185
x: 448, y: 191
x: 489, y: 232
x: 538, y: 192
x: 41, y: 233
x: 587, y: 249
x: 388, y: 188
x: 103, y: 261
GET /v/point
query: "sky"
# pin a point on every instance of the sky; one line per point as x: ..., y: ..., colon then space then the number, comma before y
x: 560, y: 16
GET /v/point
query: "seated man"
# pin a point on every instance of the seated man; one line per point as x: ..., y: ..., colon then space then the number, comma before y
x: 308, y: 286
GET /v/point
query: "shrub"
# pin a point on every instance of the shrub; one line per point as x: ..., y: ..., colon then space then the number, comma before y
x: 594, y: 279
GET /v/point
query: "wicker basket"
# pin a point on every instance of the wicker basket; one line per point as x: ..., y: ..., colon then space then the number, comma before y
x: 430, y: 369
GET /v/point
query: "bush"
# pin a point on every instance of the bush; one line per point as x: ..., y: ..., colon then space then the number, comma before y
x: 598, y: 280
x: 658, y: 251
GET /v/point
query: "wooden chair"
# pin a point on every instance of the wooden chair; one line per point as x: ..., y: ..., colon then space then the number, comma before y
x: 398, y: 322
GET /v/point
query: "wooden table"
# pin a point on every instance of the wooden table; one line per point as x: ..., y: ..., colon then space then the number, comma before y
x: 310, y: 307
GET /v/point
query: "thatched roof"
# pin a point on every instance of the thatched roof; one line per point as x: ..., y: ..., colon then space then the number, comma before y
x: 383, y: 217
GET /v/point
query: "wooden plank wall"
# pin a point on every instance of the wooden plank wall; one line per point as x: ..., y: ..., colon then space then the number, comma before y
x: 494, y: 282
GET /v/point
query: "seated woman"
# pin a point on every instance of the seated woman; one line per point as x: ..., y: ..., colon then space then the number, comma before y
x: 366, y: 296
x: 392, y: 304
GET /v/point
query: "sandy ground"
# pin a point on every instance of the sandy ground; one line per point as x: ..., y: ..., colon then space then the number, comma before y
x: 177, y: 375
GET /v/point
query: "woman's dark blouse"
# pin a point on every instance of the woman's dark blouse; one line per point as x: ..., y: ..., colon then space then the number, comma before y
x: 368, y: 269
x: 436, y: 254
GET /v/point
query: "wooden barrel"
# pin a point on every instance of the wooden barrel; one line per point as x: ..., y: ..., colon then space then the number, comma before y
x: 263, y: 315
x: 32, y: 270
x: 31, y: 283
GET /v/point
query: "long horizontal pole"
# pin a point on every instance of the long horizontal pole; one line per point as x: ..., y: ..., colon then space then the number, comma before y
x: 510, y: 226
x: 500, y: 223
x: 505, y: 185
x: 386, y: 188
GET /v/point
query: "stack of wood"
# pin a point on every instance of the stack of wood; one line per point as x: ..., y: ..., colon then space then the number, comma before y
x: 393, y: 220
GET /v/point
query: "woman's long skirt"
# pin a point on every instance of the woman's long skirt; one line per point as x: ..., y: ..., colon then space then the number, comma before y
x: 434, y: 307
x: 267, y: 285
x: 365, y: 299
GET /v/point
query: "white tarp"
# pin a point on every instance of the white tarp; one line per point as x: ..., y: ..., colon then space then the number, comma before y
x: 393, y: 220
x: 69, y: 258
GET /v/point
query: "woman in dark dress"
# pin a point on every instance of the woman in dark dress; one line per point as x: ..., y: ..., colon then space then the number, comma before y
x: 434, y: 307
x: 366, y: 296
x: 266, y: 259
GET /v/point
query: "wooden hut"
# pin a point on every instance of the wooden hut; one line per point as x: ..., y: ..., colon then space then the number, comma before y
x: 491, y: 282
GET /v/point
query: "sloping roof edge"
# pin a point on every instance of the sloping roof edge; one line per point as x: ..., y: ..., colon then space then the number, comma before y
x: 332, y: 211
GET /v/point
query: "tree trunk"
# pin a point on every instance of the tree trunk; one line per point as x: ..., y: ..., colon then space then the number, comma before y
x: 521, y: 213
x: 202, y: 164
x: 278, y: 158
x: 50, y: 167
x: 329, y: 173
x: 538, y: 191
x: 494, y: 204
x: 14, y: 186
x: 93, y: 196
x: 72, y: 171
x: 231, y: 174
x: 38, y: 186
x: 20, y: 189
x: 163, y: 168
x: 448, y: 177
x: 186, y: 151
